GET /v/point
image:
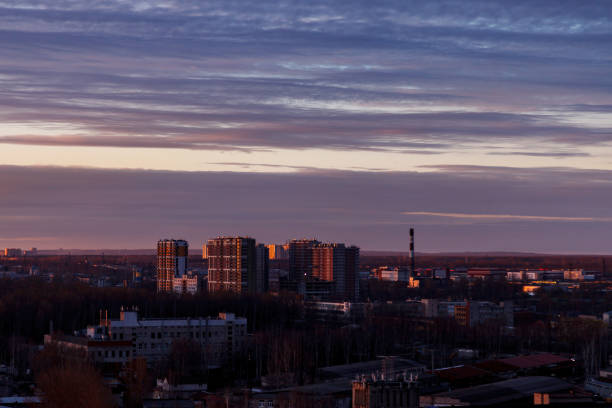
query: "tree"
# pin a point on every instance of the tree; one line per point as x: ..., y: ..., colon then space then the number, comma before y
x: 74, y: 386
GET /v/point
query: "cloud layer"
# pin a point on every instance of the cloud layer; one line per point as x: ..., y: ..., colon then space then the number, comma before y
x: 557, y: 210
x: 495, y: 117
x: 245, y: 75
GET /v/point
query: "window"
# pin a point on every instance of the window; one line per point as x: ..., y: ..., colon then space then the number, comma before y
x: 152, y: 335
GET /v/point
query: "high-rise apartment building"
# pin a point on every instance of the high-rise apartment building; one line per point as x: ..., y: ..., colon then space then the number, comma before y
x: 171, y: 262
x: 338, y: 263
x: 262, y: 268
x: 278, y: 252
x: 235, y: 264
x: 300, y: 259
x: 311, y: 260
x: 328, y: 264
x: 351, y: 273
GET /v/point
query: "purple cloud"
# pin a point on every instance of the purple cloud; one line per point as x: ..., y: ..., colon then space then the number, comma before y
x: 285, y: 74
x: 538, y: 210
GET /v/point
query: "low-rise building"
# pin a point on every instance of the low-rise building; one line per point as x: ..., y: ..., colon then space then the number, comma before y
x: 515, y: 275
x: 12, y: 252
x: 397, y: 274
x: 473, y: 313
x: 341, y: 310
x: 469, y: 313
x: 185, y: 284
x: 477, y: 273
x: 119, y: 341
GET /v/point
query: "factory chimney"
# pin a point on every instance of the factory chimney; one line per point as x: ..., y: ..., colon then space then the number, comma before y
x: 412, y: 252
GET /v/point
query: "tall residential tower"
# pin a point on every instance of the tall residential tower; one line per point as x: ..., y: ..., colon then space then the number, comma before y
x: 237, y: 264
x: 171, y: 262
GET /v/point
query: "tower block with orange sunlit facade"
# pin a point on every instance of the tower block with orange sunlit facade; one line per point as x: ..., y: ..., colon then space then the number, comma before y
x: 338, y: 263
x: 234, y: 265
x: 171, y: 262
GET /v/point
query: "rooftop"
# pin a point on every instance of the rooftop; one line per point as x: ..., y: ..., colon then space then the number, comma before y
x: 502, y: 391
x: 461, y: 373
x: 535, y: 360
x: 350, y: 371
x: 130, y: 319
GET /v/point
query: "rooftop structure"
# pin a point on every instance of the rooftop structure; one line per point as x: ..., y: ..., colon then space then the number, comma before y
x: 381, y: 392
x: 352, y: 371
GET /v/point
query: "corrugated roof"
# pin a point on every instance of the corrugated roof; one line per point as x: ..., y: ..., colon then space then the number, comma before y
x: 495, y: 366
x: 368, y: 367
x: 504, y: 391
x: 535, y: 360
x: 461, y: 373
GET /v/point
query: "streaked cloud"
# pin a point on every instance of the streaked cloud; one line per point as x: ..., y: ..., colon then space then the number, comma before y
x: 507, y: 217
x: 241, y: 76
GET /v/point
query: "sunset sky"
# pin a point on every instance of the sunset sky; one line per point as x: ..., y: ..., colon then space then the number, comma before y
x: 486, y: 125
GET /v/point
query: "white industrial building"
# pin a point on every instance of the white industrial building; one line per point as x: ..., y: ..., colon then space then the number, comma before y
x: 119, y: 341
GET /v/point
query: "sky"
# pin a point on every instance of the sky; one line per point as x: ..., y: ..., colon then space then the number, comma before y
x: 486, y: 125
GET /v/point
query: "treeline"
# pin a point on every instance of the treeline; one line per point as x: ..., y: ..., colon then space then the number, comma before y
x: 288, y: 345
x: 589, y: 262
x: 28, y: 306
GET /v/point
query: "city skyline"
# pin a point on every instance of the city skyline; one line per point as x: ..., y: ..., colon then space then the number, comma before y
x: 486, y: 125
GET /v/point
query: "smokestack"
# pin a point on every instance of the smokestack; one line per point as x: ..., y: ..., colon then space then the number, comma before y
x: 412, y: 252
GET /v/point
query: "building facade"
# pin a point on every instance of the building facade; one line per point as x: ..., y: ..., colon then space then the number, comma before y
x: 119, y: 341
x: 470, y: 313
x: 262, y: 268
x: 13, y: 252
x: 300, y: 259
x: 338, y: 263
x: 237, y: 264
x: 186, y: 284
x: 328, y: 264
x: 351, y: 273
x: 171, y: 262
x: 278, y: 252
